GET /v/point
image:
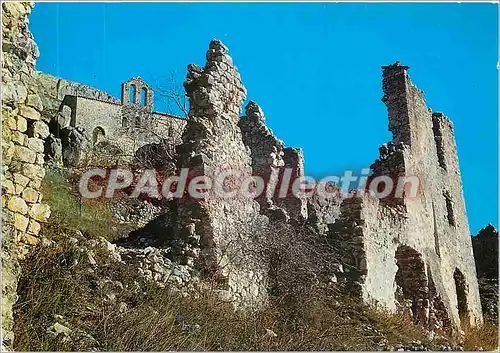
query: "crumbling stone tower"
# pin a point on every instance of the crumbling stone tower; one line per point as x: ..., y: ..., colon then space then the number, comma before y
x: 414, y: 252
x: 216, y: 234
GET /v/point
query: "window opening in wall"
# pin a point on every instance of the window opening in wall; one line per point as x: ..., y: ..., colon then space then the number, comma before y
x: 438, y: 138
x: 131, y: 96
x: 143, y: 96
x: 137, y: 121
x: 124, y: 121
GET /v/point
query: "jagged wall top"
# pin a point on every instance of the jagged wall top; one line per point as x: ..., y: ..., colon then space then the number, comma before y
x: 216, y: 89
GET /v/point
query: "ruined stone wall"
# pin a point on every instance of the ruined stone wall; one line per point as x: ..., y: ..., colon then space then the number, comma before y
x: 218, y: 234
x: 52, y: 91
x: 23, y: 134
x: 428, y: 232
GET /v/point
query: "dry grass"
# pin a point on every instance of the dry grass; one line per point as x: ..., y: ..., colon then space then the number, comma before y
x: 56, y: 281
x: 91, y: 217
x: 485, y: 337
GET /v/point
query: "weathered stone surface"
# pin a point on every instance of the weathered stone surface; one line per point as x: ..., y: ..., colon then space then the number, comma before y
x: 13, y: 92
x: 30, y: 195
x: 21, y: 179
x: 19, y: 54
x: 8, y: 187
x: 35, y: 144
x: 22, y: 124
x: 20, y: 222
x: 53, y: 148
x: 427, y: 231
x: 33, y: 171
x: 266, y: 152
x: 30, y: 239
x: 39, y: 212
x: 34, y: 227
x: 24, y: 154
x: 29, y: 113
x: 485, y: 245
x: 19, y: 138
x: 17, y: 204
x: 34, y: 100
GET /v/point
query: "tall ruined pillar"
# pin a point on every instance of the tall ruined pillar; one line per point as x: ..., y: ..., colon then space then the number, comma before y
x: 437, y: 221
x: 218, y: 234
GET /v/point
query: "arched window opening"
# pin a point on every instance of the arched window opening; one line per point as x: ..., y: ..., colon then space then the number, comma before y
x: 143, y: 96
x: 131, y: 95
x: 461, y: 288
x: 137, y: 121
x: 98, y: 135
x: 124, y: 121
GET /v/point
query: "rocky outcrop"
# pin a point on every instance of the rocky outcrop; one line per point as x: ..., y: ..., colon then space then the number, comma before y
x: 23, y: 134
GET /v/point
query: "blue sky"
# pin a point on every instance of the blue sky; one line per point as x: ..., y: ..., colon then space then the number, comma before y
x: 314, y: 68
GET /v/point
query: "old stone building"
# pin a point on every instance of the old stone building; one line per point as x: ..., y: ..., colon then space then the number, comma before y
x: 88, y: 119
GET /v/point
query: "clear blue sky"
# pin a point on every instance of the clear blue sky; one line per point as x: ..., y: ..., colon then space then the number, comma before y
x: 314, y: 68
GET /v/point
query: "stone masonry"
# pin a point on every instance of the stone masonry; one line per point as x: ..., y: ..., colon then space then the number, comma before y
x: 23, y: 134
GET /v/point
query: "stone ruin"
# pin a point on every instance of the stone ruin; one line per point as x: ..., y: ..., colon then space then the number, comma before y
x: 409, y: 254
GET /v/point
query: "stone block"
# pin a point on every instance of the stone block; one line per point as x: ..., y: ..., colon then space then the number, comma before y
x: 20, y: 222
x: 40, y: 159
x: 18, y: 189
x: 33, y: 171
x: 30, y: 195
x: 19, y: 138
x: 7, y: 153
x: 34, y: 101
x: 8, y: 187
x: 21, y: 179
x: 35, y: 144
x: 21, y: 124
x: 30, y: 239
x: 39, y: 212
x: 29, y: 113
x: 10, y: 122
x: 24, y: 154
x: 17, y: 204
x: 35, y: 183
